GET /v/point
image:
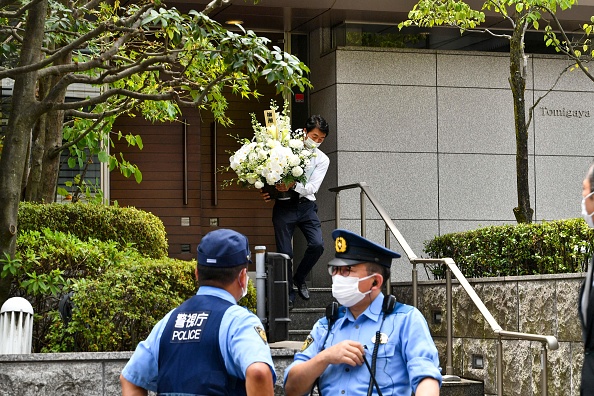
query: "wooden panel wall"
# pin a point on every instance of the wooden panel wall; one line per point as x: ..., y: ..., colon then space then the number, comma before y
x: 161, y: 162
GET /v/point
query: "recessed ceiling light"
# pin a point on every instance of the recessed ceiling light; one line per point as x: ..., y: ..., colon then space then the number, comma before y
x: 234, y: 22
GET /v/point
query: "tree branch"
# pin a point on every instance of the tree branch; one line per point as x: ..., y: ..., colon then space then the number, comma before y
x: 171, y: 95
x: 531, y: 110
x: 134, y: 20
x: 93, y: 116
x: 17, y: 13
x: 80, y: 137
x: 503, y: 12
x: 570, y: 49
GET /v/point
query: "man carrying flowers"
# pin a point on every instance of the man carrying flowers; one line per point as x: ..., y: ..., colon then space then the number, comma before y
x: 301, y: 210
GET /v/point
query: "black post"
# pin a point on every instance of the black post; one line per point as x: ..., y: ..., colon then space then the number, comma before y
x: 277, y: 297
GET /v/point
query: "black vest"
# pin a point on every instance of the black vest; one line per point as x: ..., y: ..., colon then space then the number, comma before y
x: 190, y: 359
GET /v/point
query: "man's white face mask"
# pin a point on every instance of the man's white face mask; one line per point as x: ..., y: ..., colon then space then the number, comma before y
x: 245, y: 290
x: 585, y: 215
x: 311, y: 144
x: 345, y: 289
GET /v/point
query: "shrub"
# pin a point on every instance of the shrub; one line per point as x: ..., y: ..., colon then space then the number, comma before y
x: 118, y: 309
x: 125, y: 226
x: 47, y: 263
x: 523, y: 249
x: 114, y: 293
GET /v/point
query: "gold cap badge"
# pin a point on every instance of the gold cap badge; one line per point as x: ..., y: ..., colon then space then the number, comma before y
x: 340, y: 245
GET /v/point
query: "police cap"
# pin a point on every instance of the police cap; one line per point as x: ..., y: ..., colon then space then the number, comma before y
x: 224, y: 248
x: 351, y: 249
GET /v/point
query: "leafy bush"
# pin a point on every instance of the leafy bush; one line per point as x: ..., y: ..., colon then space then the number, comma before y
x: 125, y: 226
x: 118, y: 309
x: 117, y: 295
x: 47, y: 264
x: 104, y: 265
x: 523, y: 249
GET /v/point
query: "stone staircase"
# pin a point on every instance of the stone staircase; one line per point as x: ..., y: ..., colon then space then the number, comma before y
x: 306, y: 313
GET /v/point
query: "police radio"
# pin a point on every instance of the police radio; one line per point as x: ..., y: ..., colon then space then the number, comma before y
x: 388, y: 304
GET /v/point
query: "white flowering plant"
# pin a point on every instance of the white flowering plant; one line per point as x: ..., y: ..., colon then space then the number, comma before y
x: 275, y: 154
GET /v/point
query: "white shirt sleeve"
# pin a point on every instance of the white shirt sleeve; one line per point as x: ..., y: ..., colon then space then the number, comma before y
x: 321, y: 163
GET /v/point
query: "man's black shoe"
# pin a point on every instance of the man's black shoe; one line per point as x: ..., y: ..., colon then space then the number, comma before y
x: 303, y: 291
x: 291, y: 305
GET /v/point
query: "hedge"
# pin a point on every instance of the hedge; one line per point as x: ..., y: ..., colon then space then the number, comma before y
x: 522, y: 249
x: 126, y: 226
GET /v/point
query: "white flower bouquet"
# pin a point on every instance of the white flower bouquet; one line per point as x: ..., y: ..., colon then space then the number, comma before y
x: 275, y: 154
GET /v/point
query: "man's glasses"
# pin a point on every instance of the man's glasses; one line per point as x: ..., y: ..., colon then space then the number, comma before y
x: 335, y: 270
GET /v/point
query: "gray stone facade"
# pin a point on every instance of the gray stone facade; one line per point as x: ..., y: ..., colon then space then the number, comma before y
x: 432, y: 134
x: 545, y: 305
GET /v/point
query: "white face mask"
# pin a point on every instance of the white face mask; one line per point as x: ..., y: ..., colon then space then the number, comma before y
x: 585, y: 215
x: 244, y: 291
x: 345, y: 289
x: 311, y: 144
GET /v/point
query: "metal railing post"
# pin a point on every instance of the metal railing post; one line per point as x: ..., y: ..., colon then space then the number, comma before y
x: 450, y: 323
x: 415, y: 282
x: 499, y: 366
x: 261, y: 283
x: 543, y: 365
x: 387, y: 243
x: 337, y: 210
x: 363, y: 214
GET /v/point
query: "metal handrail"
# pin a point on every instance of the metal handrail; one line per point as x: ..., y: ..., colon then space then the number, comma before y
x: 451, y: 268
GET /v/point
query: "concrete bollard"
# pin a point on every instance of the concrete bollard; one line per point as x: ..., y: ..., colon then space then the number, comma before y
x: 16, y: 326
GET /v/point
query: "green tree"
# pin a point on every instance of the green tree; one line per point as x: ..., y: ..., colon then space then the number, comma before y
x: 578, y: 48
x: 142, y: 58
x: 520, y: 15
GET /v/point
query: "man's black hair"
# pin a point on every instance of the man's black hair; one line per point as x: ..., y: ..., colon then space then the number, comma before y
x: 217, y: 276
x: 374, y: 268
x: 317, y: 121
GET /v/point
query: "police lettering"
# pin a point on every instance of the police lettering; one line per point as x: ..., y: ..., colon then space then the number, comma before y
x: 188, y: 326
x: 186, y: 335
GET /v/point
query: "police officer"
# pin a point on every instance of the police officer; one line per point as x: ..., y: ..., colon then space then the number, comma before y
x: 208, y: 345
x: 373, y: 342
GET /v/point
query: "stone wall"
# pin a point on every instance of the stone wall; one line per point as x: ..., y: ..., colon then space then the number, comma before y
x: 544, y: 305
x: 88, y: 374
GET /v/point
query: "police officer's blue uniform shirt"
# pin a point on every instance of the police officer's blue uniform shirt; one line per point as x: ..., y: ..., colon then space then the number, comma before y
x: 406, y: 357
x: 240, y: 341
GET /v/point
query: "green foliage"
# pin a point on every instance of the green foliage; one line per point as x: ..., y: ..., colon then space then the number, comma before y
x: 116, y: 310
x: 117, y: 294
x: 140, y: 58
x: 525, y: 249
x: 125, y: 226
x: 48, y: 263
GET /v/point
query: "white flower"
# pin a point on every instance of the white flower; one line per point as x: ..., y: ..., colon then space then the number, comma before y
x: 275, y: 154
x: 294, y: 160
x: 297, y: 171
